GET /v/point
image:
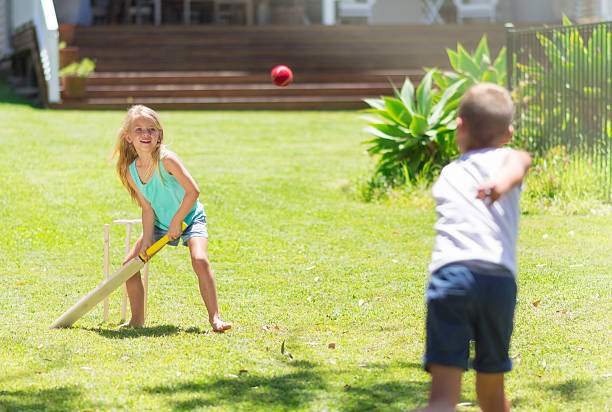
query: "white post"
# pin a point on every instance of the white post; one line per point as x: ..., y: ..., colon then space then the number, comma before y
x: 106, y: 265
x: 157, y: 11
x: 186, y: 12
x: 328, y: 16
x: 128, y: 236
x: 47, y: 34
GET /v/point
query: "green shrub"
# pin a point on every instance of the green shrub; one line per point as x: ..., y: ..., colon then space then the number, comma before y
x: 563, y: 183
x: 413, y: 132
x: 415, y: 138
x: 473, y: 68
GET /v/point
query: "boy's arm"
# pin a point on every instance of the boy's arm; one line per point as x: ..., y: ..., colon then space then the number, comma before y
x: 511, y: 174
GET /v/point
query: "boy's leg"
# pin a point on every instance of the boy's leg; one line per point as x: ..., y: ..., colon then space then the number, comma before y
x: 490, y: 392
x: 445, y: 387
x: 135, y: 290
x: 206, y: 281
x: 495, y: 323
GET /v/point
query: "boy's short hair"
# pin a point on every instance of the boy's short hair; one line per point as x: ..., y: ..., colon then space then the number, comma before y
x: 486, y: 109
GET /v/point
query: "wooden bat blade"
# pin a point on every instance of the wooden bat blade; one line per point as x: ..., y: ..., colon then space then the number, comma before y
x: 95, y: 296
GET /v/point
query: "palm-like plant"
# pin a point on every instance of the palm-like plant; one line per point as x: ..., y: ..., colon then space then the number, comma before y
x: 414, y: 132
x: 473, y: 68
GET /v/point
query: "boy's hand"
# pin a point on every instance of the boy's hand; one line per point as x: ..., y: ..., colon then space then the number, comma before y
x: 489, y: 191
x: 174, y: 230
x: 511, y: 173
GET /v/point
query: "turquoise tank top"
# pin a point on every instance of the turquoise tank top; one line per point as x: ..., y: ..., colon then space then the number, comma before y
x: 165, y: 196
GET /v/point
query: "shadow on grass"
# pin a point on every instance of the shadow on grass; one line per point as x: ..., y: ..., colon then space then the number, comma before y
x: 148, y: 331
x: 290, y: 390
x: 298, y: 388
x: 571, y: 390
x: 57, y: 399
x: 393, y: 395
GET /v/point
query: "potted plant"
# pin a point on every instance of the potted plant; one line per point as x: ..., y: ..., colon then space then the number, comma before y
x: 67, y: 54
x: 74, y: 78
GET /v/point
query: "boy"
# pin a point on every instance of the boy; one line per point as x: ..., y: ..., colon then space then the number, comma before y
x: 472, y: 289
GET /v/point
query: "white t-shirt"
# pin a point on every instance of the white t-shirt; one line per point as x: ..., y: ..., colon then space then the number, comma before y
x: 468, y: 229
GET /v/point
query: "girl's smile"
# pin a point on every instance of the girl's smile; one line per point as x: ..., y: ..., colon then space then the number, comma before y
x: 144, y: 135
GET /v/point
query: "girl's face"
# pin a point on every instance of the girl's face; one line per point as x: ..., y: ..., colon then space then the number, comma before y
x: 144, y: 135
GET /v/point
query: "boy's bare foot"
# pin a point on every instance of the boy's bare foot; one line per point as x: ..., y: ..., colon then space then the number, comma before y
x: 220, y: 326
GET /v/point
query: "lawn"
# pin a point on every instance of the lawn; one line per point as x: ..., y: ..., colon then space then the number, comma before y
x: 325, y: 290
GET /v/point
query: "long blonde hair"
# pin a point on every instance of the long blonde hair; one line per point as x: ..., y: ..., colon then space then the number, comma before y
x: 125, y: 152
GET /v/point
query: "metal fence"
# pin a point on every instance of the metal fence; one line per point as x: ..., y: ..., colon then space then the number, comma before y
x: 561, y: 79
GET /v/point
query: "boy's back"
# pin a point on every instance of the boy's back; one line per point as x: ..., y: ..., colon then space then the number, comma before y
x: 468, y: 229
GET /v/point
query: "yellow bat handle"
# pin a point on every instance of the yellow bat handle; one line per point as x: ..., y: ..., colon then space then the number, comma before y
x: 154, y: 248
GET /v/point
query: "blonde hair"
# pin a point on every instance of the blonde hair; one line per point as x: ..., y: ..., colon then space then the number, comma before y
x: 125, y: 152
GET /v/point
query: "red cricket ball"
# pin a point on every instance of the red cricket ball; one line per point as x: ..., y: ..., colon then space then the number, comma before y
x: 282, y: 75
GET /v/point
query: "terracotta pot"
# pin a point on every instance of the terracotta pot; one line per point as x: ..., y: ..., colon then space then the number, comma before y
x: 67, y: 55
x: 74, y: 87
x: 66, y: 33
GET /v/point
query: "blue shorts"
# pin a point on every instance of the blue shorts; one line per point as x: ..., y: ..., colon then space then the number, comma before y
x: 463, y: 305
x: 197, y: 228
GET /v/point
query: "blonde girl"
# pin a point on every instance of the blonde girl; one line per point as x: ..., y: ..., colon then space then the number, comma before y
x: 168, y: 195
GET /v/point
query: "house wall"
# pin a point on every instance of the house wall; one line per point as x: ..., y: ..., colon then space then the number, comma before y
x: 397, y: 12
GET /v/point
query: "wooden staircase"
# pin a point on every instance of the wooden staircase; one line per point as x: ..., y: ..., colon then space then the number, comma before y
x: 228, y: 67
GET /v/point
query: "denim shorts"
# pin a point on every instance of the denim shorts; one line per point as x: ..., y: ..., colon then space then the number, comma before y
x: 464, y: 305
x: 197, y: 228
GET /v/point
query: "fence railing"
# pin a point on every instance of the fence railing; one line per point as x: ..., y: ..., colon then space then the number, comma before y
x: 561, y: 79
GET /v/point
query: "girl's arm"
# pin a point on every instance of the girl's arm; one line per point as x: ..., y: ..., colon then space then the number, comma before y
x: 148, y: 218
x: 173, y: 166
x: 512, y: 173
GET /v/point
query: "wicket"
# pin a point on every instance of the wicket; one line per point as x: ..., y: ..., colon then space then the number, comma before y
x: 128, y: 239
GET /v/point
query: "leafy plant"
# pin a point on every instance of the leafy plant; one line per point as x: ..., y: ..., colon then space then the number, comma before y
x: 550, y: 88
x: 473, y: 68
x: 561, y: 182
x: 79, y: 69
x: 413, y: 132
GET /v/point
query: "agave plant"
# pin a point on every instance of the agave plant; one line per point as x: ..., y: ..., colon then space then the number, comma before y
x: 414, y: 132
x: 474, y: 68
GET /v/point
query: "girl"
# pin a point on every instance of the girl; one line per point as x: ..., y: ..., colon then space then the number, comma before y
x: 168, y: 195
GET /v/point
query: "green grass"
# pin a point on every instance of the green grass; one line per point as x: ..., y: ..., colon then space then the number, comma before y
x: 298, y: 258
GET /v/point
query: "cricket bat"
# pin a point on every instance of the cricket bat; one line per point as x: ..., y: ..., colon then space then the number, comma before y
x: 108, y: 286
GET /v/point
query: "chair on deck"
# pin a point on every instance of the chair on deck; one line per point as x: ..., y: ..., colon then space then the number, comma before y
x: 475, y: 9
x: 139, y: 10
x: 356, y: 9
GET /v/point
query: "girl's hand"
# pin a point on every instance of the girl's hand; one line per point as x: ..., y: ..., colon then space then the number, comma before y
x: 174, y: 230
x: 143, y: 249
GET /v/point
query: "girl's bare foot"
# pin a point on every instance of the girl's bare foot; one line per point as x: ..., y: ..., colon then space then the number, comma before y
x: 131, y: 324
x: 220, y: 326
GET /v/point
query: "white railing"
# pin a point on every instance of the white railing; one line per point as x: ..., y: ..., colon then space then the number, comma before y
x: 41, y: 13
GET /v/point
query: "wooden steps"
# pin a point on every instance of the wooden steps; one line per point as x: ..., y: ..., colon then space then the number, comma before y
x: 227, y: 67
x: 236, y: 90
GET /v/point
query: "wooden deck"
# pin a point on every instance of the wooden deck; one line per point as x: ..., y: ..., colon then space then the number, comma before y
x: 217, y: 67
